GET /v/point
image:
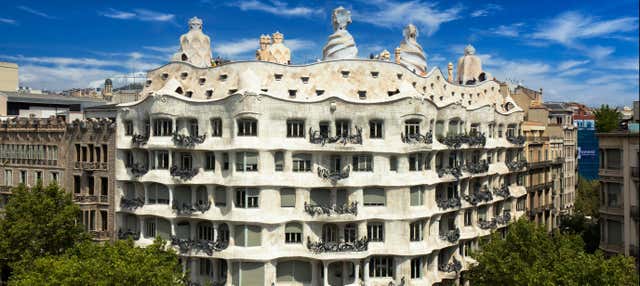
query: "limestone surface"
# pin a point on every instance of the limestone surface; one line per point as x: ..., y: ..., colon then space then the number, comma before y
x: 410, y: 52
x: 341, y: 44
x: 195, y: 46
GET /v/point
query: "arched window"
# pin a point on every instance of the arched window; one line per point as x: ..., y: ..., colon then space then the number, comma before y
x: 412, y: 127
x: 293, y: 233
x: 330, y: 233
x: 205, y: 231
x: 223, y: 233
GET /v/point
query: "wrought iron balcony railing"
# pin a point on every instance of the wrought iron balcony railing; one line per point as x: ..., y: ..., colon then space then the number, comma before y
x: 447, y: 203
x: 139, y: 139
x: 91, y: 166
x: 415, y: 138
x: 503, y: 219
x: 206, y: 246
x: 454, y: 171
x: 138, y: 169
x: 341, y: 246
x: 475, y: 198
x: 516, y: 165
x: 516, y: 140
x: 131, y: 204
x: 315, y: 137
x: 451, y: 235
x: 475, y: 168
x: 184, y: 174
x: 135, y: 235
x: 334, y: 176
x: 456, y: 140
x: 188, y: 140
x: 189, y: 209
x: 453, y: 266
x: 314, y: 210
x: 502, y: 191
x: 487, y: 224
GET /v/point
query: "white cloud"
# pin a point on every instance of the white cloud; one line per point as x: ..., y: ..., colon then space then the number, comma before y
x: 398, y: 14
x: 571, y: 64
x: 486, y: 11
x: 277, y: 8
x: 138, y: 14
x: 167, y: 49
x: 299, y: 44
x: 61, y: 61
x: 598, y: 52
x: 573, y: 72
x: 571, y: 26
x: 247, y: 46
x: 60, y: 78
x: 36, y: 12
x: 512, y: 30
x: 8, y: 21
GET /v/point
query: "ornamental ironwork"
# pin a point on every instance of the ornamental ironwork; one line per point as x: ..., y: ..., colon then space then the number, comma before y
x: 206, y: 246
x: 447, y: 203
x: 313, y: 210
x: 453, y: 266
x: 184, y: 174
x: 517, y: 165
x: 451, y: 235
x: 487, y: 224
x: 505, y: 218
x: 475, y: 198
x: 135, y: 235
x: 414, y: 138
x: 475, y: 168
x: 456, y: 140
x: 188, y: 209
x: 453, y: 171
x: 131, y: 204
x: 315, y: 137
x: 341, y: 246
x: 187, y: 140
x: 502, y: 191
x: 516, y: 140
x: 138, y: 169
x: 334, y: 176
x: 139, y: 139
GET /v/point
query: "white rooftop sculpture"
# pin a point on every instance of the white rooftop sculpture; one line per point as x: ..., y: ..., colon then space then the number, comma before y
x: 280, y: 53
x: 341, y: 44
x: 195, y: 46
x: 470, y: 68
x: 410, y: 53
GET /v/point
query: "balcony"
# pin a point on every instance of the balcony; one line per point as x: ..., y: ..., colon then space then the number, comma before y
x: 90, y: 199
x: 476, y: 168
x: 480, y: 196
x: 189, y: 209
x: 487, y: 224
x: 536, y: 139
x: 100, y: 234
x: 445, y: 203
x: 187, y: 140
x: 541, y: 186
x: 90, y: 166
x: 131, y: 204
x: 503, y: 219
x: 516, y: 140
x: 313, y: 210
x: 206, y: 246
x: 317, y: 247
x: 454, y: 171
x: 139, y: 139
x: 502, y: 191
x: 416, y: 138
x: 183, y: 173
x: 453, y: 266
x: 451, y: 235
x: 5, y: 189
x: 334, y: 176
x: 559, y: 161
x: 315, y: 137
x: 539, y: 164
x: 456, y: 140
x: 518, y: 165
x: 138, y: 169
x: 135, y: 235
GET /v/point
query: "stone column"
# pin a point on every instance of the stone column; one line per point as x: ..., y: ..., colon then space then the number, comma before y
x: 141, y: 226
x: 194, y: 266
x: 171, y: 190
x: 315, y: 276
x: 325, y: 270
x: 274, y: 274
x: 366, y: 271
x: 356, y: 272
x: 345, y: 272
x: 192, y: 229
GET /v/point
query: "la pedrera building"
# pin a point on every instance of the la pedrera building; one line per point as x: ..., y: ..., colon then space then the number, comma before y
x: 346, y: 171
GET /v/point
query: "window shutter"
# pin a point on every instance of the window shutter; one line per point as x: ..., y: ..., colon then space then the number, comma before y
x: 416, y: 196
x: 320, y: 197
x: 164, y: 229
x: 183, y: 230
x: 287, y: 197
x: 252, y: 274
x: 341, y: 197
x: 239, y: 235
x: 439, y: 128
x: 284, y: 271
x: 254, y: 235
x: 293, y: 228
x: 220, y: 197
x: 374, y: 196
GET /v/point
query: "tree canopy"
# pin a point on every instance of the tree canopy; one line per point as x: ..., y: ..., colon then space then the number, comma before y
x: 607, y: 119
x: 588, y: 197
x: 530, y: 256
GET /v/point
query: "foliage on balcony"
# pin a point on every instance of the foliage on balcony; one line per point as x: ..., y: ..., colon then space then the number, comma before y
x: 453, y: 266
x: 206, y: 246
x: 475, y: 198
x: 517, y: 165
x: 451, y: 235
x: 341, y: 246
x: 187, y: 140
x: 502, y: 191
x: 314, y: 210
x: 334, y: 176
x: 516, y: 140
x: 131, y: 204
x: 474, y: 139
x: 135, y: 235
x: 184, y: 174
x: 188, y: 209
x: 139, y: 139
x: 315, y: 137
x: 138, y: 169
x: 475, y: 168
x: 454, y: 171
x: 447, y: 203
x: 415, y: 138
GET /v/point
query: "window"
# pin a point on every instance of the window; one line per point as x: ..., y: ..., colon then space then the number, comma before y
x: 325, y: 129
x: 295, y: 128
x: 104, y: 186
x: 248, y: 235
x: 381, y: 266
x: 293, y: 233
x: 225, y: 161
x: 128, y: 159
x: 128, y: 127
x: 162, y: 127
x: 247, y: 273
x: 220, y: 197
x: 500, y: 127
x: 614, y: 195
x: 482, y: 213
x: 302, y: 162
x: 157, y: 227
x: 278, y: 158
x: 393, y: 163
x: 210, y: 161
x: 23, y: 177
x: 416, y: 268
x: 374, y: 197
x: 330, y: 233
x: 247, y: 198
x: 614, y: 232
x: 287, y: 198
x: 416, y: 231
x: 77, y: 186
x: 246, y: 161
x: 38, y: 176
x: 216, y: 127
x: 375, y: 129
x: 55, y: 177
x: 475, y: 128
x: 162, y: 159
x: 375, y: 231
x: 193, y: 127
x: 439, y: 128
x: 416, y: 195
x: 412, y: 127
x: 350, y: 232
x: 343, y: 128
x: 453, y: 127
x: 186, y: 161
x: 8, y: 177
x: 158, y: 194
x: 247, y: 127
x: 362, y: 163
x: 415, y: 162
x: 467, y: 217
x: 613, y: 159
x: 293, y: 271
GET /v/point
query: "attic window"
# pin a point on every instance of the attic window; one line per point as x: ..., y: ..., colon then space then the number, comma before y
x: 432, y: 85
x: 441, y: 98
x: 222, y: 77
x: 453, y: 93
x: 437, y: 77
x: 431, y: 97
x: 424, y: 88
x: 232, y: 91
x: 165, y: 76
x: 202, y: 80
x: 345, y: 73
x: 209, y: 93
x: 374, y: 74
x: 189, y: 94
x: 264, y: 89
x: 414, y: 84
x: 319, y: 92
x: 278, y: 76
x: 469, y: 102
x: 478, y: 94
x: 179, y: 90
x: 305, y: 79
x: 462, y: 95
x: 444, y: 86
x: 393, y: 92
x: 148, y: 82
x: 292, y: 92
x: 485, y: 91
x: 184, y: 75
x: 492, y: 88
x: 399, y: 76
x: 362, y: 94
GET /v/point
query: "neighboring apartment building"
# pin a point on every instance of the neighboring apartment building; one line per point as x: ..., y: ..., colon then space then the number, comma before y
x: 335, y: 173
x: 78, y: 155
x: 620, y: 187
x: 584, y: 121
x: 561, y: 126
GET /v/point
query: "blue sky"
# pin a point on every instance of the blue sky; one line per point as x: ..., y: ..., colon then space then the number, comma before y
x: 583, y: 51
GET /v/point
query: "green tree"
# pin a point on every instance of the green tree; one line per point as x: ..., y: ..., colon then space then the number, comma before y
x: 530, y: 256
x: 607, y: 119
x: 88, y: 263
x: 588, y: 197
x: 38, y: 221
